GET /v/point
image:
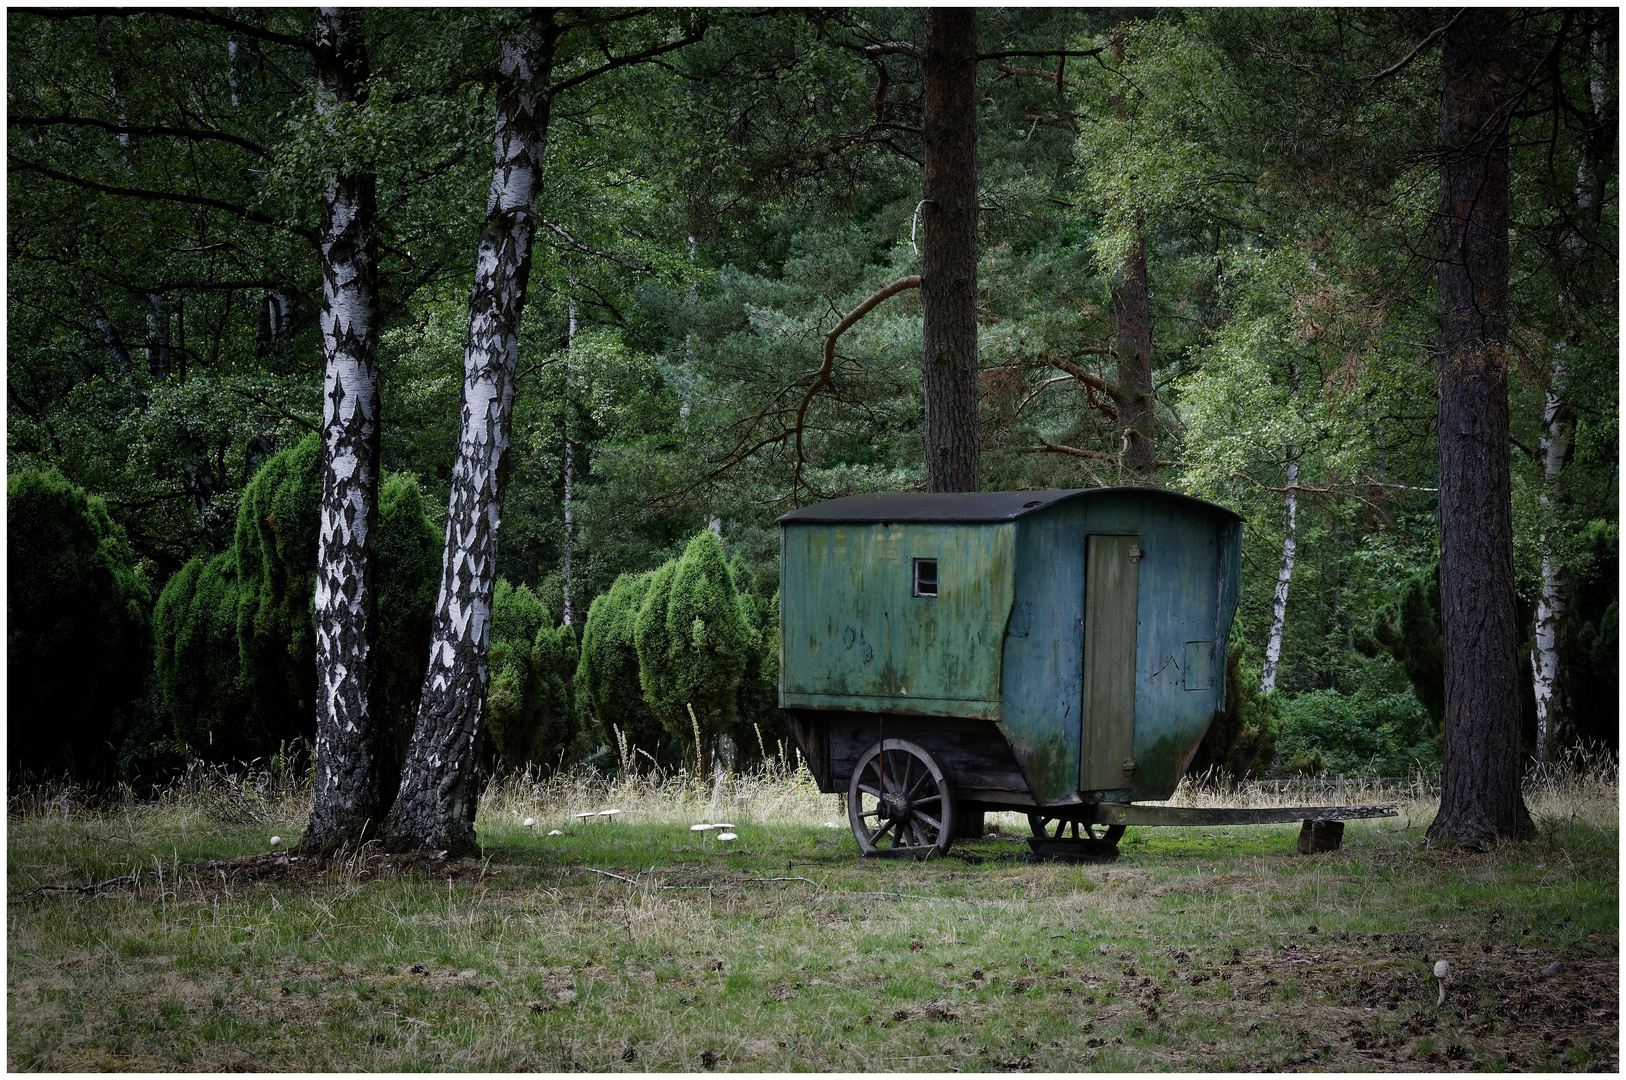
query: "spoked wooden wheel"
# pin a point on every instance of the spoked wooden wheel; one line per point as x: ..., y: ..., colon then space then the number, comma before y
x: 1046, y: 827
x: 899, y: 802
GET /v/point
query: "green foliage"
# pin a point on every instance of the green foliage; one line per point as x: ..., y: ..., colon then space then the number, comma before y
x: 529, y: 711
x: 275, y: 545
x: 408, y: 577
x: 200, y: 666
x: 1408, y: 629
x: 1380, y: 730
x: 77, y: 628
x: 237, y: 633
x: 1592, y: 635
x: 693, y: 642
x: 607, y: 681
x: 760, y: 728
x: 1241, y: 739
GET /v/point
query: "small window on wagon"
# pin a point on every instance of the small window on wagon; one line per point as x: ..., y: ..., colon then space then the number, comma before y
x: 926, y: 577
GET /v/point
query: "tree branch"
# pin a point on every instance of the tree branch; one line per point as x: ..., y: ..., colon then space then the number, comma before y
x: 822, y: 379
x: 130, y: 129
x: 589, y: 250
x: 1421, y: 45
x: 1047, y: 52
x: 17, y: 165
x: 622, y: 61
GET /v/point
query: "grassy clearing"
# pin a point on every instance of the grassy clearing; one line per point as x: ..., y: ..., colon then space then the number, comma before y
x: 786, y: 951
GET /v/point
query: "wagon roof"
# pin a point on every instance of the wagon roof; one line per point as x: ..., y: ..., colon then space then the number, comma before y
x: 968, y: 507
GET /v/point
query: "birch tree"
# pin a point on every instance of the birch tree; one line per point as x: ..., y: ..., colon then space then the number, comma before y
x: 436, y: 800
x: 352, y: 751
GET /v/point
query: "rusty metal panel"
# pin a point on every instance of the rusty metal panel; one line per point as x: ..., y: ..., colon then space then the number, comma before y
x: 854, y: 636
x: 1111, y: 605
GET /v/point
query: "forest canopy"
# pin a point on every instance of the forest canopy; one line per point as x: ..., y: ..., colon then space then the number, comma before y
x: 1204, y: 261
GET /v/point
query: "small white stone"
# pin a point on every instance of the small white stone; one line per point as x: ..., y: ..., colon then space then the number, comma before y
x: 529, y: 822
x: 555, y: 832
x: 1441, y: 969
x: 276, y: 841
x: 1102, y: 949
x: 831, y: 825
x: 725, y: 836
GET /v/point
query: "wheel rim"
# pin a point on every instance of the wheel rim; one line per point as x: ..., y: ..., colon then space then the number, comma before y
x: 899, y: 801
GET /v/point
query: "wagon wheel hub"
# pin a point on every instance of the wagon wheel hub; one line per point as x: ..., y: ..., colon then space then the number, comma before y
x: 900, y: 802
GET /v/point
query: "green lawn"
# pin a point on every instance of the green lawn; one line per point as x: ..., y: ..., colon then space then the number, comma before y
x: 1199, y: 949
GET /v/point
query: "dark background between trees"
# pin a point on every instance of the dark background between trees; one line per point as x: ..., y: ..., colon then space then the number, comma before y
x: 707, y: 218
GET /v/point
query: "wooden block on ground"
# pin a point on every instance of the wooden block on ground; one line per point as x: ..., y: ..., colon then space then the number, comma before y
x: 1317, y: 836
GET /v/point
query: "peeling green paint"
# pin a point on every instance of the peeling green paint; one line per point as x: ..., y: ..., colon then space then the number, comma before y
x: 1004, y: 639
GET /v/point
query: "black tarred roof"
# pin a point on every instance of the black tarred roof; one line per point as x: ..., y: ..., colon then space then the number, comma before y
x: 968, y: 507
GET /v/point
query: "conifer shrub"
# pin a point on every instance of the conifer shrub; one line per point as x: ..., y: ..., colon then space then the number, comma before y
x: 78, y: 633
x: 608, y: 689
x: 1408, y: 629
x: 529, y: 715
x: 409, y: 552
x: 1241, y: 739
x: 693, y: 643
x: 236, y: 632
x: 275, y: 547
x: 761, y: 728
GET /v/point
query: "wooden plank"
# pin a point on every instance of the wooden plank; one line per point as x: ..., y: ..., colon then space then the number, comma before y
x: 1130, y: 814
x: 854, y: 635
x: 1111, y: 598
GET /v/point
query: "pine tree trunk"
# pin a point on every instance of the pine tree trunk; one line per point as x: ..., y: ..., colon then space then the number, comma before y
x: 436, y: 803
x: 352, y: 754
x: 1132, y: 313
x: 1480, y: 798
x: 948, y: 279
x: 1284, y: 577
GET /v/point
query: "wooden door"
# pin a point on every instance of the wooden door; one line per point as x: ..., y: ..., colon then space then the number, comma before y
x: 1111, y: 603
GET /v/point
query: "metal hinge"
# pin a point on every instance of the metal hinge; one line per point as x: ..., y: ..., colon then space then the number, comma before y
x: 1134, y: 553
x: 1130, y: 766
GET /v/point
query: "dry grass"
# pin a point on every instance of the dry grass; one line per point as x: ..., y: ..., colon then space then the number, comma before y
x: 631, y: 943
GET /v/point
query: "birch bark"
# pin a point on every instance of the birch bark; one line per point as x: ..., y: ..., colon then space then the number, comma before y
x: 351, y: 754
x: 435, y: 805
x: 1553, y: 603
x: 1284, y: 577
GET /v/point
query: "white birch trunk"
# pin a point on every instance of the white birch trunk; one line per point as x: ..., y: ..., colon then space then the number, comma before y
x: 436, y: 803
x: 1553, y: 602
x: 350, y: 749
x: 1284, y: 577
x: 157, y: 337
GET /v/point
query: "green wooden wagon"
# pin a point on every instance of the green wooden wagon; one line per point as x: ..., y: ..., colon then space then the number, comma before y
x: 1054, y: 652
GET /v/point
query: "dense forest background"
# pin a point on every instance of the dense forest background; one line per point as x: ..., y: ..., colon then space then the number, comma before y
x: 709, y: 213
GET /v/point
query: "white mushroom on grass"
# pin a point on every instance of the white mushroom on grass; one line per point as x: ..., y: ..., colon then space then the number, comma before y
x: 1442, y: 971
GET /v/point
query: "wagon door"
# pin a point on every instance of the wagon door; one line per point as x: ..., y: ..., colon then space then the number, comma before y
x: 1111, y: 601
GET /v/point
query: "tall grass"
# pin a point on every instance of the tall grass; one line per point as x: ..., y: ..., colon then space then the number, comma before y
x: 1583, y: 785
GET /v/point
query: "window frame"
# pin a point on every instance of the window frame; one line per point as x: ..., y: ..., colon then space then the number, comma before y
x: 936, y: 580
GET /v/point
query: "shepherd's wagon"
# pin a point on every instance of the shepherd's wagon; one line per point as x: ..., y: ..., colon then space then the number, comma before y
x: 1060, y: 653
